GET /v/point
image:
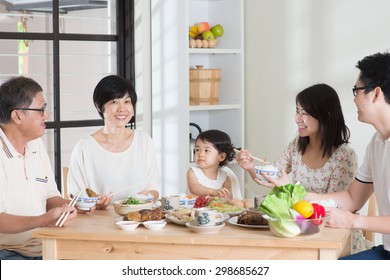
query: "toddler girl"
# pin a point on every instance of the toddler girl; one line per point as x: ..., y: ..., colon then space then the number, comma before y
x: 213, y: 150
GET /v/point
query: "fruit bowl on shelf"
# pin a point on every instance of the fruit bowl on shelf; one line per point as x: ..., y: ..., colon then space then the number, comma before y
x: 293, y: 228
x: 203, y: 35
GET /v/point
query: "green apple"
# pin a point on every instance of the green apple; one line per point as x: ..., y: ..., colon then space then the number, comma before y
x: 217, y: 30
x: 207, y: 35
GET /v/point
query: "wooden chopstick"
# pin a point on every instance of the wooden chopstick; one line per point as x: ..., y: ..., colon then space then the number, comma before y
x: 65, y: 215
x: 123, y: 189
x: 114, y: 193
x: 258, y: 159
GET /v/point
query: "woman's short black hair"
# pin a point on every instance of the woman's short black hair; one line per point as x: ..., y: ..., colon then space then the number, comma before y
x: 221, y: 141
x: 112, y: 87
x: 322, y: 103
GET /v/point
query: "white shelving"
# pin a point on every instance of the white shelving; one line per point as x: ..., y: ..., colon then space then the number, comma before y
x: 228, y: 56
x: 170, y: 101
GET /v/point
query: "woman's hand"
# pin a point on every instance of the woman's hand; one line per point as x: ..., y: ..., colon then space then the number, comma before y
x: 270, y: 183
x: 245, y: 160
x: 154, y: 193
x: 103, y: 202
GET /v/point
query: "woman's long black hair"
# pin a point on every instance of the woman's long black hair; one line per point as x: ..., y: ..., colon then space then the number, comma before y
x: 322, y: 103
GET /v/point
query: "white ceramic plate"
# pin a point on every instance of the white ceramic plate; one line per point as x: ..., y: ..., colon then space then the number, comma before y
x: 204, y: 229
x: 234, y: 213
x: 174, y: 220
x: 233, y: 221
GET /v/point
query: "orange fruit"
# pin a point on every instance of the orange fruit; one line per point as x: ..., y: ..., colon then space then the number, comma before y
x: 304, y: 208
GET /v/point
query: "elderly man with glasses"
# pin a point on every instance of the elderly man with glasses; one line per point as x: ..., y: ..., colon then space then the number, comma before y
x: 29, y: 197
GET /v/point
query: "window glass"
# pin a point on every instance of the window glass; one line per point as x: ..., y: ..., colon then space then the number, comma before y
x: 34, y: 60
x: 90, y: 17
x: 83, y: 65
x: 23, y: 17
x: 69, y: 138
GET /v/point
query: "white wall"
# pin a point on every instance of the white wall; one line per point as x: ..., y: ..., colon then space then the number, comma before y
x: 292, y: 44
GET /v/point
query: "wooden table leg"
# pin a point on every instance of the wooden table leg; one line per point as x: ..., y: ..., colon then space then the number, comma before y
x: 49, y: 249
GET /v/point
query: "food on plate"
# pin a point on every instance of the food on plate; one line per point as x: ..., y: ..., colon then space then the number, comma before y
x: 145, y: 215
x: 202, y: 201
x: 244, y: 203
x: 237, y: 202
x: 251, y: 218
x: 91, y: 193
x: 222, y: 206
x: 182, y: 215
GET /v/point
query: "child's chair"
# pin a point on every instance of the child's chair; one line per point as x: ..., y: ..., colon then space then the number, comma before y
x: 236, y: 190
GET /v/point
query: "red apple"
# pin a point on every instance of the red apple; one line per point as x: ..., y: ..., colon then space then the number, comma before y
x: 203, y: 26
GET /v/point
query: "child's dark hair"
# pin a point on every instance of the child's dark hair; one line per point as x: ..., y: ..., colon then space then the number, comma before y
x: 221, y: 141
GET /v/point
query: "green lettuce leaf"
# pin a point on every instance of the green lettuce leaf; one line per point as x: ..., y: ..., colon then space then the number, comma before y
x: 280, y: 199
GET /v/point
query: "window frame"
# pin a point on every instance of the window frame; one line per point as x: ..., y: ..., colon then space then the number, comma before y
x: 125, y: 66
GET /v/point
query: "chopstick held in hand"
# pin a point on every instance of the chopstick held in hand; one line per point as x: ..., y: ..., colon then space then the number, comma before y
x: 255, y: 158
x: 65, y: 215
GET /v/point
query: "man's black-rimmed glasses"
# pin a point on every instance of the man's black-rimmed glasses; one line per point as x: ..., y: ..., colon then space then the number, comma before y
x: 355, y: 88
x: 42, y: 110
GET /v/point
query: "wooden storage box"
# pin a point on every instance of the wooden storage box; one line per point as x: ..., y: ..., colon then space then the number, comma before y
x: 204, y: 86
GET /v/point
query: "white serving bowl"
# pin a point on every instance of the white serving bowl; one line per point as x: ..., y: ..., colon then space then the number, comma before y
x: 127, y: 225
x: 270, y: 170
x: 85, y: 203
x: 123, y: 209
x: 155, y: 225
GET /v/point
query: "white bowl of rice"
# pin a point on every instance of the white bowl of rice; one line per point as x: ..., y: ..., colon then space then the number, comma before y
x: 270, y: 170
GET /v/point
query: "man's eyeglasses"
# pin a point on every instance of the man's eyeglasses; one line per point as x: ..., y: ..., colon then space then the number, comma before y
x: 42, y: 110
x: 355, y: 89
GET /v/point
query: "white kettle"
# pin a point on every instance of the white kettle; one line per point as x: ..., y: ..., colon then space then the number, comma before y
x: 192, y: 141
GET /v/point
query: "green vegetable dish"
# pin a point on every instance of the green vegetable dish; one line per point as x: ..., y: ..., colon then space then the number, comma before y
x: 131, y: 200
